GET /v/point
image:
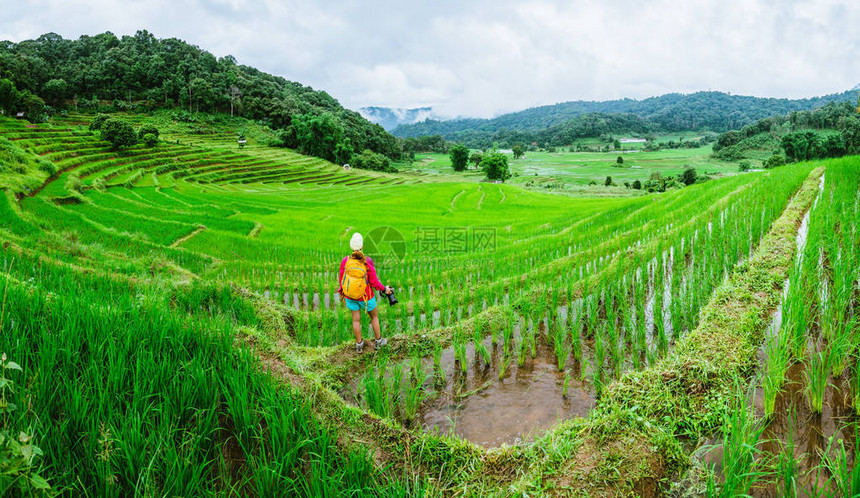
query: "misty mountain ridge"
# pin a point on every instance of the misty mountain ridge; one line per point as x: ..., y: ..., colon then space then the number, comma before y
x: 717, y: 111
x: 392, y: 117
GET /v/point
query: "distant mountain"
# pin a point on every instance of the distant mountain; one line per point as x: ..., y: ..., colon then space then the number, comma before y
x: 390, y: 118
x: 717, y: 111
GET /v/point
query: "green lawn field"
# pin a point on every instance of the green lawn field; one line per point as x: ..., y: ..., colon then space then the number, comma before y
x: 576, y: 169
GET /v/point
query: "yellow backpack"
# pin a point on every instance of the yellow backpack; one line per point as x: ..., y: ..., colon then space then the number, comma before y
x: 354, y: 283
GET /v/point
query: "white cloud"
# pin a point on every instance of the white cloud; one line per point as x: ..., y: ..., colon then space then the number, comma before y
x: 485, y: 57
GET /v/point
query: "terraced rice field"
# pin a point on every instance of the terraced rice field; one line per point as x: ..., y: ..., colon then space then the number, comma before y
x: 541, y: 342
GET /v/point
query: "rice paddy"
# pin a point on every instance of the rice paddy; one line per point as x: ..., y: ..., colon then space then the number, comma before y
x: 175, y: 317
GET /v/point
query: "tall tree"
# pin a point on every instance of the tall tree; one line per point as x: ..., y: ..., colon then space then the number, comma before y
x: 343, y: 152
x: 8, y: 96
x: 475, y: 158
x: 54, y: 92
x: 495, y: 166
x: 317, y: 135
x: 459, y: 155
x: 518, y: 151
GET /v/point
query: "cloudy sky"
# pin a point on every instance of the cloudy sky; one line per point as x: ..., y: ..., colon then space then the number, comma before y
x: 485, y: 57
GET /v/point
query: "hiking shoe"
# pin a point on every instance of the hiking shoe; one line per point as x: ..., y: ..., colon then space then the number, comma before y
x: 380, y: 342
x: 359, y: 347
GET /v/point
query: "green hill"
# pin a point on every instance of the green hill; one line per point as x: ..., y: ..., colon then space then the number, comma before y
x: 716, y: 111
x: 106, y: 73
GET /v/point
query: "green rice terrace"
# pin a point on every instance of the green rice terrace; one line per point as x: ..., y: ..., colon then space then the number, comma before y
x: 170, y: 327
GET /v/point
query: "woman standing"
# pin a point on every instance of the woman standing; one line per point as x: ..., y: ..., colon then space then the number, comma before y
x: 357, y: 281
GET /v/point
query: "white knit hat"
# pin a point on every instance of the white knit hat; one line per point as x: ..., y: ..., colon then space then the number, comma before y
x: 356, y: 242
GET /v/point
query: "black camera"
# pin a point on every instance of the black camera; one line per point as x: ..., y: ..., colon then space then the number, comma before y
x: 391, y: 299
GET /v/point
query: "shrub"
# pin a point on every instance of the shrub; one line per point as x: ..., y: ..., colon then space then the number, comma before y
x: 47, y: 167
x: 13, y: 157
x: 637, y: 185
x: 73, y: 184
x: 98, y: 121
x: 656, y: 183
x: 688, y: 177
x: 150, y: 140
x: 774, y: 161
x: 372, y: 161
x: 85, y: 104
x: 145, y: 130
x: 118, y: 132
x: 744, y: 165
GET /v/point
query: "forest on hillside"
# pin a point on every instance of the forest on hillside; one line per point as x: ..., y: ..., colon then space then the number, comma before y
x: 104, y: 73
x: 832, y: 130
x: 558, y: 124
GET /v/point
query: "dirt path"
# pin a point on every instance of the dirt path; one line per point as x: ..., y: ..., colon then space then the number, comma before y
x: 178, y: 242
x: 454, y: 200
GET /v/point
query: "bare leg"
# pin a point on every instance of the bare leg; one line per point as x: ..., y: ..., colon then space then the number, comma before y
x: 356, y: 325
x: 374, y: 322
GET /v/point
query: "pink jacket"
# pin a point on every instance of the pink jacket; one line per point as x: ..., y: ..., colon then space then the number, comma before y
x: 372, y: 279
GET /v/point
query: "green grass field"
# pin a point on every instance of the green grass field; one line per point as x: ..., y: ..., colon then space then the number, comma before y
x: 173, y: 314
x: 577, y: 169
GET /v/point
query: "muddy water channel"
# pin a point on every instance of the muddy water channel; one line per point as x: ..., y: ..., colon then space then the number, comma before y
x: 811, y: 433
x: 490, y: 399
x: 489, y: 411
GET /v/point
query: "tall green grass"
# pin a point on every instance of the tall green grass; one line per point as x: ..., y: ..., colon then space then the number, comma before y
x: 843, y: 469
x: 741, y: 435
x: 777, y: 363
x: 126, y: 396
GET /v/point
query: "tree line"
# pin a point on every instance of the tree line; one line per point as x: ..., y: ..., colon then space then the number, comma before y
x: 714, y: 111
x: 832, y: 130
x: 563, y: 134
x: 141, y: 72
